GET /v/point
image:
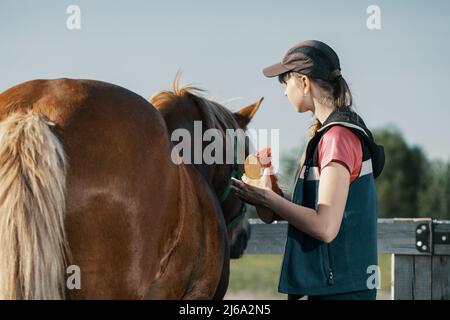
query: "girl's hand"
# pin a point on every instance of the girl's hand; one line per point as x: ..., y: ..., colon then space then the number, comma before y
x: 265, y: 182
x: 254, y: 191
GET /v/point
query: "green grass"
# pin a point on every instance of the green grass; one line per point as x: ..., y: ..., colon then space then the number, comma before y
x: 255, y: 273
x: 259, y: 274
x: 384, y: 261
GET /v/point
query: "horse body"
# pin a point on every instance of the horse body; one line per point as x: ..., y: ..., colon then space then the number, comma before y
x: 126, y: 209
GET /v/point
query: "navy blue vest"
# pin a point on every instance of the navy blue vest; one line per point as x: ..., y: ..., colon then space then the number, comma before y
x: 311, y: 267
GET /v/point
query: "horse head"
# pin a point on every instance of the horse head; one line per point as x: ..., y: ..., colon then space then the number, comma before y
x: 187, y: 108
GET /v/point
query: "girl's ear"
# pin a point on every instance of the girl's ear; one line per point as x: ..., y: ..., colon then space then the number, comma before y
x: 306, y: 85
x: 244, y: 116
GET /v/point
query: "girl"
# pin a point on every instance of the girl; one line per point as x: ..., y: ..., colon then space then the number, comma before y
x: 331, y: 247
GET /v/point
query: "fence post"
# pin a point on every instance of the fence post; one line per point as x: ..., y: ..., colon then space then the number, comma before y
x: 423, y: 273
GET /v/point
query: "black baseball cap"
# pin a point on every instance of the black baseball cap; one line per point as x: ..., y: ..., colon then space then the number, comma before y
x: 312, y: 58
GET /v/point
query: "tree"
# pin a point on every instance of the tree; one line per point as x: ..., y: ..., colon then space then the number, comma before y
x: 433, y: 200
x: 404, y: 178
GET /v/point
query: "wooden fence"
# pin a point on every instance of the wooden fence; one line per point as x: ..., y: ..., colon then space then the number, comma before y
x: 420, y: 251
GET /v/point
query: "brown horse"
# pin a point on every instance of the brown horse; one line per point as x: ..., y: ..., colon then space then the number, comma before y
x: 87, y: 179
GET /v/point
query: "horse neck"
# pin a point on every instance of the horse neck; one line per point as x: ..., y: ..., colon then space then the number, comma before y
x: 175, y: 120
x: 211, y: 173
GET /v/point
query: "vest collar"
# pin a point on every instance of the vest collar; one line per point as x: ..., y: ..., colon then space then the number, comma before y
x: 344, y: 116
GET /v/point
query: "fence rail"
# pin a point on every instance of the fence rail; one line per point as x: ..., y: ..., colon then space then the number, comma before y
x: 420, y: 251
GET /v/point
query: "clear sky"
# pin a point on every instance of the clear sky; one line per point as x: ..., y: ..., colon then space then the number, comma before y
x: 399, y: 75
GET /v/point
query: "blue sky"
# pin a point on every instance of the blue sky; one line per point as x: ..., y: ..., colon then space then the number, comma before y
x: 399, y: 75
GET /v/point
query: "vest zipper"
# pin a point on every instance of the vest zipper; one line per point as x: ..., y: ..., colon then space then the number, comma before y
x: 330, y: 280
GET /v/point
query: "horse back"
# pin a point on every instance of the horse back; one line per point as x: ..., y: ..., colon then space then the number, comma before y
x: 120, y: 180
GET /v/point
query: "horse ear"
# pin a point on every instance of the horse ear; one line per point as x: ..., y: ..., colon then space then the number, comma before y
x: 244, y: 116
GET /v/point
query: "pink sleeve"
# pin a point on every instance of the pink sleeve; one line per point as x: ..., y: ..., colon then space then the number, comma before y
x: 341, y: 144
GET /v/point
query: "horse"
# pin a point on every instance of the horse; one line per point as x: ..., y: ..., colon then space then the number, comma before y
x: 87, y: 180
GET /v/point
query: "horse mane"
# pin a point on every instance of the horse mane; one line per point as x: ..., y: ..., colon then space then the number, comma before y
x: 214, y: 115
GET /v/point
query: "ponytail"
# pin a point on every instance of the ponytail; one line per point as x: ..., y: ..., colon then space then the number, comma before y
x: 342, y: 94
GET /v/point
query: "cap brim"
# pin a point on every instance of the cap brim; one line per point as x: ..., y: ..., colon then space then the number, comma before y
x: 275, y: 70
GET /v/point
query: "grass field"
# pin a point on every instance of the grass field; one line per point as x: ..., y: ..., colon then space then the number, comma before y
x: 256, y: 277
